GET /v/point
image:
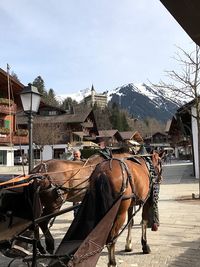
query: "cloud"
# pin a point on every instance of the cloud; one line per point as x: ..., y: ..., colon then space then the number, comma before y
x: 72, y: 44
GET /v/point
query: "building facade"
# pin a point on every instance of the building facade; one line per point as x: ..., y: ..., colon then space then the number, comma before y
x: 55, y: 129
x: 96, y: 99
x: 10, y: 104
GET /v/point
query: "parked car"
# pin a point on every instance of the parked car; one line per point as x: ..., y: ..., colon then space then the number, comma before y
x: 19, y: 160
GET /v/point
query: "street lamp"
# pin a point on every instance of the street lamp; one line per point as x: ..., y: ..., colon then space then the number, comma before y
x: 30, y: 98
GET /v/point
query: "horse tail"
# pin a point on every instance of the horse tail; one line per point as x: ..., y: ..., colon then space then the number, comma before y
x: 105, y: 196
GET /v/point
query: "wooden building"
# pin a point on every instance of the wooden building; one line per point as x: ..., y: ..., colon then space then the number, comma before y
x: 55, y: 128
x: 112, y: 138
x: 10, y: 105
x: 186, y: 13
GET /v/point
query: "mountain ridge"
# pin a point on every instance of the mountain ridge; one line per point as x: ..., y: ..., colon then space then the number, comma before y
x: 140, y: 101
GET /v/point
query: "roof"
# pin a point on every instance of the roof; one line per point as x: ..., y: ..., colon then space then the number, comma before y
x: 127, y: 135
x: 85, y: 144
x: 80, y: 134
x: 134, y: 143
x: 156, y: 133
x: 18, y: 86
x: 107, y: 133
x: 186, y: 13
x: 78, y: 117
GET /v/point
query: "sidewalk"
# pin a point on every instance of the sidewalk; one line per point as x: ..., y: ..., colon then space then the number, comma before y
x: 175, y: 244
x: 16, y: 170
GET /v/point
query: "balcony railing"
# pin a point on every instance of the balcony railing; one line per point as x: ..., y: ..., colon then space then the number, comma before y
x: 4, y: 130
x: 5, y: 109
x: 15, y: 139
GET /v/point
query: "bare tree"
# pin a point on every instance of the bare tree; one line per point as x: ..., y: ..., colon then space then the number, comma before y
x: 186, y: 85
x: 45, y: 134
x: 146, y: 127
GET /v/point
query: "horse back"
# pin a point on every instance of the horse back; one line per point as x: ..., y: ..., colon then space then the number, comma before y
x: 126, y: 175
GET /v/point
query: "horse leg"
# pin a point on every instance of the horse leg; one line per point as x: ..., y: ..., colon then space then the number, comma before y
x: 115, y: 230
x: 49, y: 240
x: 128, y: 246
x: 52, y: 202
x: 39, y: 244
x: 111, y: 255
x: 145, y: 247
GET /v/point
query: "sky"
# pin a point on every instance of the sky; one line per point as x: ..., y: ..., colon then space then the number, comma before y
x: 73, y: 44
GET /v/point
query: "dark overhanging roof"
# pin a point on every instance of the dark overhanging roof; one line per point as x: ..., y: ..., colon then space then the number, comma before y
x: 18, y: 86
x: 187, y: 14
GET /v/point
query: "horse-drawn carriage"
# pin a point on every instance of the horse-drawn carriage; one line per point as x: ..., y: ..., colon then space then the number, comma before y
x: 108, y: 189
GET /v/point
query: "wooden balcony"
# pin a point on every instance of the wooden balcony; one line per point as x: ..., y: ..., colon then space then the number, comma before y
x: 15, y: 139
x: 5, y: 109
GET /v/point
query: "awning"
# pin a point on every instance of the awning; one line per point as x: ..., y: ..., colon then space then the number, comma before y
x: 7, y: 148
x: 187, y: 14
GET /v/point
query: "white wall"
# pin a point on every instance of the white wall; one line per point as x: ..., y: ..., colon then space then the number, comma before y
x: 47, y: 153
x: 195, y: 142
x: 10, y: 157
x: 9, y: 154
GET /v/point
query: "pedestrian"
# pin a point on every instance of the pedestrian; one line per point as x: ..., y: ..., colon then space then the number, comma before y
x: 137, y: 148
x: 76, y: 155
x: 104, y: 150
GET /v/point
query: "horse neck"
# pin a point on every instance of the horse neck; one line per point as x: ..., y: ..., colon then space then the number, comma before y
x: 95, y: 159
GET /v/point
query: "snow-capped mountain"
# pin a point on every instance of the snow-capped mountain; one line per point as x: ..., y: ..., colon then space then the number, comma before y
x: 143, y: 101
x: 140, y: 100
x: 78, y: 96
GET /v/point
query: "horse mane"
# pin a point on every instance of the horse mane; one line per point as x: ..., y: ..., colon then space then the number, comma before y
x: 120, y: 150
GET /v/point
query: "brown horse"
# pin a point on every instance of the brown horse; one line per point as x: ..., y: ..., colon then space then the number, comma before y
x: 65, y: 181
x: 131, y: 179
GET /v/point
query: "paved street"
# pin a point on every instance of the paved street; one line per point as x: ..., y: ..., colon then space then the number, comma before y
x: 176, y: 244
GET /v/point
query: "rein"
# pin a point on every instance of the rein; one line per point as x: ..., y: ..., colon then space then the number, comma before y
x: 125, y: 226
x: 78, y: 170
x: 63, y: 188
x: 133, y: 195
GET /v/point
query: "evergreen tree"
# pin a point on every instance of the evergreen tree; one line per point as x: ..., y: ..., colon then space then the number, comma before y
x: 115, y: 118
x: 51, y: 98
x: 39, y: 83
x: 118, y: 118
x: 68, y: 103
x: 14, y: 75
x: 102, y: 117
x: 124, y: 122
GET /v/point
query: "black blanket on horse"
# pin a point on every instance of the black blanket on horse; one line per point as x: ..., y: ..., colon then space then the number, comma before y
x: 20, y: 201
x: 90, y: 229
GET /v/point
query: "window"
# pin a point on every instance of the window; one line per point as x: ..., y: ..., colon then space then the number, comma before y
x: 44, y: 112
x: 36, y: 154
x: 57, y: 152
x: 48, y: 112
x: 1, y: 123
x: 3, y: 157
x: 18, y: 152
x: 7, y: 124
x: 52, y: 112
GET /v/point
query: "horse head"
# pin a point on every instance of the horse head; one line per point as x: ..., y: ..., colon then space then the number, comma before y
x: 43, y: 182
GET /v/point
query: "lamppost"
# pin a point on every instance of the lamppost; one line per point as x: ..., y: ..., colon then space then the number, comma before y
x: 30, y: 98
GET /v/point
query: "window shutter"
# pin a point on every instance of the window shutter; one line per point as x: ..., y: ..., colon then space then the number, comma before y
x: 7, y: 124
